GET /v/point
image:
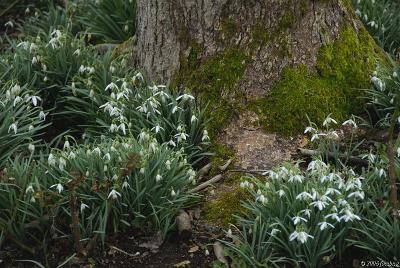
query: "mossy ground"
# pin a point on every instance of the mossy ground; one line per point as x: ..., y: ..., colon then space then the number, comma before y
x: 343, y: 67
x: 222, y: 210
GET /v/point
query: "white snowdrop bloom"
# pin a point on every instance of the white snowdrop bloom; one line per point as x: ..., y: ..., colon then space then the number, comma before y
x: 315, y: 137
x: 172, y: 143
x: 17, y: 100
x: 296, y: 178
x: 66, y: 145
x: 113, y: 194
x: 82, y: 69
x: 263, y: 200
x: 168, y: 165
x: 357, y: 194
x: 112, y: 69
x: 309, y: 130
x: 34, y: 100
x: 173, y: 193
x: 333, y: 216
x: 395, y: 75
x: 58, y: 186
x: 71, y: 155
x: 158, y: 178
x: 398, y: 152
x: 137, y: 77
x: 157, y: 129
x: 205, y: 136
x: 113, y: 128
x: 319, y: 204
x: 332, y: 135
x: 229, y: 233
x: 324, y: 225
x: 382, y: 173
x: 34, y: 60
x: 350, y: 122
x: 281, y: 193
x: 332, y: 191
x: 97, y: 151
x: 142, y: 171
x: 301, y: 237
x: 9, y: 24
x: 51, y: 160
x: 122, y: 128
x: 42, y: 115
x: 328, y: 120
x: 29, y: 189
x: 304, y: 196
x: 24, y: 45
x: 31, y: 148
x: 61, y: 163
x: 31, y: 127
x: 107, y: 157
x: 125, y: 185
x: 193, y: 119
x: 185, y: 97
x: 206, y: 252
x: 175, y: 109
x: 377, y: 83
x: 13, y: 127
x: 306, y: 212
x: 126, y: 28
x: 349, y: 216
x: 111, y: 86
x: 77, y: 52
x: 358, y: 13
x: 275, y: 232
x: 297, y: 219
x: 105, y: 168
x: 83, y: 207
x: 114, y: 177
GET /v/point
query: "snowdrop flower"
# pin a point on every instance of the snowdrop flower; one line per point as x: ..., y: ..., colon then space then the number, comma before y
x: 185, y: 97
x: 83, y: 207
x: 142, y: 171
x: 113, y: 194
x: 71, y: 155
x: 125, y: 185
x: 205, y: 136
x: 51, y: 160
x: 77, y: 52
x: 82, y: 69
x: 229, y: 233
x: 168, y: 165
x: 9, y: 24
x: 333, y: 216
x: 111, y: 86
x: 193, y: 119
x: 13, y: 127
x: 157, y: 129
x: 275, y: 231
x: 122, y: 127
x: 173, y: 193
x: 126, y: 28
x: 66, y: 145
x: 281, y: 193
x: 309, y: 129
x: 137, y: 77
x: 328, y: 120
x: 324, y: 225
x: 113, y: 128
x: 97, y: 150
x: 306, y: 212
x: 315, y: 137
x: 34, y: 60
x: 304, y: 196
x: 31, y: 127
x: 17, y: 100
x: 349, y: 216
x: 34, y: 100
x: 350, y: 122
x: 297, y: 219
x: 395, y: 75
x: 62, y: 163
x: 296, y: 178
x: 331, y: 191
x: 398, y: 152
x: 42, y: 115
x: 58, y: 186
x: 301, y: 237
x: 357, y: 194
x: 29, y: 189
x: 175, y: 109
x: 262, y: 199
x: 31, y: 148
x: 319, y: 204
x: 158, y: 178
x: 378, y: 83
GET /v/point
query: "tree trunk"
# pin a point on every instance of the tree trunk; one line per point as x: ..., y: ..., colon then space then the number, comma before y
x: 231, y: 53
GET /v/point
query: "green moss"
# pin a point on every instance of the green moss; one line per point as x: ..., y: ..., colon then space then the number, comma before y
x: 260, y: 35
x: 229, y: 28
x: 342, y: 67
x: 214, y: 81
x: 222, y: 210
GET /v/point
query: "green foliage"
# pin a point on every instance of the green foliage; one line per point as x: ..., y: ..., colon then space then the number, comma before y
x: 109, y: 21
x: 342, y: 66
x: 299, y: 217
x: 382, y: 19
x: 117, y: 184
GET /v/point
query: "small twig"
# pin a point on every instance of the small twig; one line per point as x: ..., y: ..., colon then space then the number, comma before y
x: 250, y: 171
x: 204, y: 170
x: 206, y: 184
x: 124, y: 252
x: 225, y: 166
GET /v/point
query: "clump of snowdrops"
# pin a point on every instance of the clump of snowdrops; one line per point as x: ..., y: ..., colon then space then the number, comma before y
x: 92, y: 190
x: 298, y: 217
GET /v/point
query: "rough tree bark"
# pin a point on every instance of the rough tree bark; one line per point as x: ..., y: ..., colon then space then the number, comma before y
x: 267, y: 36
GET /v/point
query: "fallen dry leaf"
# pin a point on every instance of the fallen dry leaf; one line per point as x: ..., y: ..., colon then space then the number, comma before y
x: 193, y: 249
x: 182, y: 264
